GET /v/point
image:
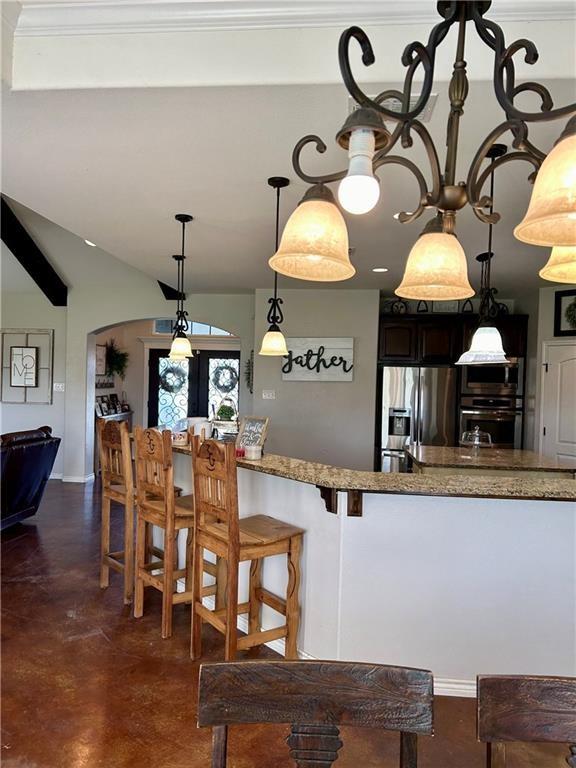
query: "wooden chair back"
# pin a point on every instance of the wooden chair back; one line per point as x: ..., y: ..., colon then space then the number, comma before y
x: 523, y: 708
x: 215, y: 487
x: 154, y: 469
x: 315, y: 697
x: 115, y: 454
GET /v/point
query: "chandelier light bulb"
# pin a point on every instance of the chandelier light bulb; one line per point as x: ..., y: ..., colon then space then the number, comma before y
x: 486, y: 348
x: 359, y: 190
x: 273, y: 344
x: 314, y: 244
x: 436, y: 269
x: 561, y: 266
x: 551, y: 215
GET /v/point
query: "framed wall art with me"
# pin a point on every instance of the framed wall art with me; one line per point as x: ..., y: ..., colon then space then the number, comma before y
x: 23, y: 366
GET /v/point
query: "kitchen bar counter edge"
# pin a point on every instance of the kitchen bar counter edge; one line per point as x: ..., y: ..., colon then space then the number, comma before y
x: 330, y: 479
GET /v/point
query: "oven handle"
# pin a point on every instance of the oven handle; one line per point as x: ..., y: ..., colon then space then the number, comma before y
x: 494, y: 416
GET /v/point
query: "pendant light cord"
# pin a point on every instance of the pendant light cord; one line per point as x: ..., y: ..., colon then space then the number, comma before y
x: 276, y: 240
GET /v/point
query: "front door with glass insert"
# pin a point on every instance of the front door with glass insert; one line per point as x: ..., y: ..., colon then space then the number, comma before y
x: 193, y: 387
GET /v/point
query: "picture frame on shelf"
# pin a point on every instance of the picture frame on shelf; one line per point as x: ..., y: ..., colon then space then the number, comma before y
x: 98, y: 410
x: 565, y: 313
x: 24, y: 367
x: 445, y: 306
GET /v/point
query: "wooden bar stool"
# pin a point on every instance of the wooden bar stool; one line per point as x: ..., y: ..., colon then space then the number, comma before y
x: 525, y: 708
x: 117, y: 485
x: 219, y: 530
x: 315, y: 697
x: 157, y: 504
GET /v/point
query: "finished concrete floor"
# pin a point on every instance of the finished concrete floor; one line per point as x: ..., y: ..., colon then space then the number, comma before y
x: 85, y: 685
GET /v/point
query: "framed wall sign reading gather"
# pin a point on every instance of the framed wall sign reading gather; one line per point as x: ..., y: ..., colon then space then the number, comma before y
x: 312, y: 359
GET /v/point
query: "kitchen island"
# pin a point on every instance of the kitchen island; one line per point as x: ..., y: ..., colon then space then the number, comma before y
x: 454, y: 461
x: 458, y: 575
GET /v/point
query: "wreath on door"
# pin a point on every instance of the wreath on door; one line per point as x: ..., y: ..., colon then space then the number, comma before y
x: 172, y: 379
x: 225, y: 378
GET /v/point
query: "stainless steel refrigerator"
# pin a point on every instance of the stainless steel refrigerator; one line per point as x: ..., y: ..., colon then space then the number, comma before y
x: 419, y: 406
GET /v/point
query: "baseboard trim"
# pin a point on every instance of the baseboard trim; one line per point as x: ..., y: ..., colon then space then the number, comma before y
x: 56, y: 476
x: 78, y: 478
x: 443, y: 686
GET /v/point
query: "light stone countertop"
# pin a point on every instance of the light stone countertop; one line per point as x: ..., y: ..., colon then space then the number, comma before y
x: 326, y: 476
x: 485, y: 458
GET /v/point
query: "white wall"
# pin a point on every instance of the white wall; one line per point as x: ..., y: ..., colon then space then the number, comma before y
x: 33, y: 310
x: 330, y: 422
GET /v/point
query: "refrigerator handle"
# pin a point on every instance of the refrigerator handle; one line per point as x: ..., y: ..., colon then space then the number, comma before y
x: 417, y: 426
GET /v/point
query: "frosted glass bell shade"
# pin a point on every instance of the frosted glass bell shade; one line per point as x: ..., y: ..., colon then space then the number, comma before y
x: 486, y: 347
x: 561, y: 266
x: 314, y: 244
x: 180, y: 348
x: 273, y: 344
x: 436, y: 269
x: 551, y: 215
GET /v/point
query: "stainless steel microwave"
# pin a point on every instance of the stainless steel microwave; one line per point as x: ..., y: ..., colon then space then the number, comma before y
x: 494, y: 379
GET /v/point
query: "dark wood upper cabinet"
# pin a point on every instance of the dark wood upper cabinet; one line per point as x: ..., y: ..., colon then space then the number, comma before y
x: 440, y: 340
x: 437, y: 341
x: 398, y: 340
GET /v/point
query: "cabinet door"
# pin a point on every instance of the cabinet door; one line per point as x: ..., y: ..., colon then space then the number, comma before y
x: 437, y: 338
x: 398, y: 341
x: 513, y: 329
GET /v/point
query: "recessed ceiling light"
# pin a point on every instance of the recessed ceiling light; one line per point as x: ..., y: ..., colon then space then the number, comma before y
x: 380, y: 269
x: 90, y: 243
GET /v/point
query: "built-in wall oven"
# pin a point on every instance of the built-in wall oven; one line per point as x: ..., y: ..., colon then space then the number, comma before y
x: 494, y: 379
x: 501, y: 417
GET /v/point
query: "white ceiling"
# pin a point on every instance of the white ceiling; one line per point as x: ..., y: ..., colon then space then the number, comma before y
x: 115, y: 165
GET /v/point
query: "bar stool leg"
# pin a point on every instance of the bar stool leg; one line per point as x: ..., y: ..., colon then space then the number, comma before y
x: 105, y: 542
x: 128, y: 548
x: 292, y: 593
x: 168, y: 585
x: 197, y: 584
x: 189, y: 558
x: 231, y: 612
x: 254, y: 617
x: 140, y: 562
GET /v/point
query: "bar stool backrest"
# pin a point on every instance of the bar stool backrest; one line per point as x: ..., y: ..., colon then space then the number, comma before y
x: 316, y: 697
x: 154, y: 468
x: 215, y: 486
x: 525, y: 708
x: 115, y: 456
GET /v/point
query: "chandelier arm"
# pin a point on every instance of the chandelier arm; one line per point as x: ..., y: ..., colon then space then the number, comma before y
x: 504, y: 73
x: 405, y: 217
x: 477, y: 202
x: 433, y: 196
x: 321, y: 148
x: 415, y: 55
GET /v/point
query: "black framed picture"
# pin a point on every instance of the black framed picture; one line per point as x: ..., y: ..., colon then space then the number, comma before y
x: 565, y: 313
x: 23, y: 366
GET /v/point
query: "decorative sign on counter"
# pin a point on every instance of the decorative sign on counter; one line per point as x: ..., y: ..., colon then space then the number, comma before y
x: 311, y: 359
x: 252, y: 431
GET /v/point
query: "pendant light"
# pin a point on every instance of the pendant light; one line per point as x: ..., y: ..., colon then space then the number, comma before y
x: 436, y: 266
x: 314, y: 244
x: 561, y: 266
x: 551, y: 215
x: 486, y: 345
x: 180, y: 348
x: 274, y: 343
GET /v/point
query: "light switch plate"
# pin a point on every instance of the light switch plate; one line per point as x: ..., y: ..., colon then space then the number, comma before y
x: 268, y: 394
x: 59, y: 387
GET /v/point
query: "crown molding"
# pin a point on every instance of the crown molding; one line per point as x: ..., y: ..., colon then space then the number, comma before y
x: 103, y: 17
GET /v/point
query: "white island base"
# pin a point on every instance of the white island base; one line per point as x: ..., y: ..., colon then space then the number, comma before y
x: 460, y: 586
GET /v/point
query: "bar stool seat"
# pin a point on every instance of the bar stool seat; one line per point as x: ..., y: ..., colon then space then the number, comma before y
x: 257, y: 530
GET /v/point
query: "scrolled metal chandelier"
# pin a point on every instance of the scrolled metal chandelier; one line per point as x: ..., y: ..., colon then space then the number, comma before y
x: 314, y: 244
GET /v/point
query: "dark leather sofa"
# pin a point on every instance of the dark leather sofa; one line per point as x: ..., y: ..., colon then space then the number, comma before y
x: 26, y: 460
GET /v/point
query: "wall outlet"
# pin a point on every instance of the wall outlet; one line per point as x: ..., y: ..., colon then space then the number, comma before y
x: 59, y: 387
x: 268, y: 394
